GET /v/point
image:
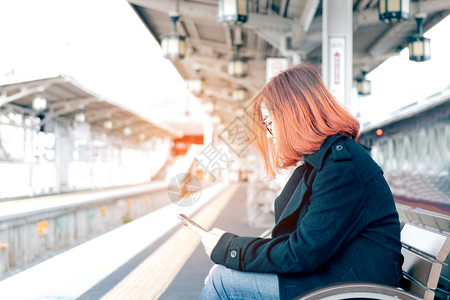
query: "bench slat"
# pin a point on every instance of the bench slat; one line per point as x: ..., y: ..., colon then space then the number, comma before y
x: 419, y: 290
x: 432, y: 243
x: 423, y: 270
x: 433, y: 219
x: 405, y: 213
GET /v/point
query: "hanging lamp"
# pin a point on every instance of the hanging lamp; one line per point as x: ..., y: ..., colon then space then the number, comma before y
x: 394, y: 11
x: 418, y: 45
x: 238, y: 66
x: 173, y: 44
x: 232, y: 12
x: 363, y: 85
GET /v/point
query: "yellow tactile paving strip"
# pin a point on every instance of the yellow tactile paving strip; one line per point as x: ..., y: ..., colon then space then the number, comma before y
x: 152, y: 277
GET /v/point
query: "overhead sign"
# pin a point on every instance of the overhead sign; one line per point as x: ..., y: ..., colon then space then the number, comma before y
x: 274, y: 66
x: 336, y: 76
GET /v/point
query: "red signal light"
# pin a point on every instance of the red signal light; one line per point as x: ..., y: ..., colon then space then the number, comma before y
x: 379, y: 131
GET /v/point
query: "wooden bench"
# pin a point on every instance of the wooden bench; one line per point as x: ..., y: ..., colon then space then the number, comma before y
x: 423, y: 217
x: 425, y: 271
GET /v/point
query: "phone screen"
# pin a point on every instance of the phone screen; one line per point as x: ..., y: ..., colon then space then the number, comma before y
x: 191, y: 224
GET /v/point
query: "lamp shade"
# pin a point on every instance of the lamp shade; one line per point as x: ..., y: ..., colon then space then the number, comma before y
x: 240, y: 112
x: 196, y: 85
x: 232, y: 12
x: 216, y: 119
x: 240, y: 94
x: 39, y: 102
x: 418, y: 45
x: 393, y: 11
x: 209, y: 107
x: 237, y: 67
x: 419, y: 48
x: 108, y: 124
x: 127, y: 130
x: 173, y: 46
x: 364, y: 86
x: 80, y: 117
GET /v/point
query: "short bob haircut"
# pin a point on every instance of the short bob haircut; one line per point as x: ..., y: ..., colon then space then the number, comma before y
x: 304, y: 112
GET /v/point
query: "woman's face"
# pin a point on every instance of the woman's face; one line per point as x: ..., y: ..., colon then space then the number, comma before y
x: 268, y: 122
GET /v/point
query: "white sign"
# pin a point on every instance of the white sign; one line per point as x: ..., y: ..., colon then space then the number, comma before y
x: 274, y: 66
x: 336, y: 76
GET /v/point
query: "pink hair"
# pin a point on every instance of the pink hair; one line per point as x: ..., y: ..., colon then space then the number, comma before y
x: 305, y: 113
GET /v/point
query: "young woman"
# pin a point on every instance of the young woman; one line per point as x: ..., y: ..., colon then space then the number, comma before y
x: 335, y: 219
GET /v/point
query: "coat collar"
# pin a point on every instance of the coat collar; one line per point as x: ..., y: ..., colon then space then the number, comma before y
x: 316, y: 159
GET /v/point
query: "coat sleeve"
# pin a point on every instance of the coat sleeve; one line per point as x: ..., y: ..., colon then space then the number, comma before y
x: 335, y: 215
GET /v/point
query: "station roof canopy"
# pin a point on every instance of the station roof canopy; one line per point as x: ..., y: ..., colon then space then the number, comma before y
x: 65, y: 97
x: 275, y: 28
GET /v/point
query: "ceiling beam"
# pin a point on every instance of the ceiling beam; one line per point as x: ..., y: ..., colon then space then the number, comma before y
x: 367, y: 59
x: 72, y: 103
x: 283, y: 7
x: 229, y: 41
x: 362, y: 5
x: 94, y: 116
x: 185, y: 9
x: 270, y: 36
x: 219, y: 47
x: 208, y: 13
x: 69, y: 107
x: 380, y: 45
x: 370, y: 16
x: 301, y: 27
x: 22, y: 93
x: 193, y: 32
x: 204, y: 64
x: 262, y: 21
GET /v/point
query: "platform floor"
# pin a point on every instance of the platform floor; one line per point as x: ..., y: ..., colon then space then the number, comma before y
x: 175, y: 266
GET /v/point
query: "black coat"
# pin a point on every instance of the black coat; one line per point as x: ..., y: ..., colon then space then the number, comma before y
x: 335, y: 222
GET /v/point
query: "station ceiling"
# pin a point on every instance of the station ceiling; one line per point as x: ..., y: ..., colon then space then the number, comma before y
x: 65, y: 97
x: 270, y: 23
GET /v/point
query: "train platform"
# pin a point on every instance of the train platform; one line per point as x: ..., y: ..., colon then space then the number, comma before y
x: 153, y: 257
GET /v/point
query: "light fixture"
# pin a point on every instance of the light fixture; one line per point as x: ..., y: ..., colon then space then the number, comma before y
x: 240, y: 94
x: 216, y: 119
x: 173, y: 44
x: 240, y: 112
x: 108, y: 124
x: 39, y: 101
x: 80, y: 117
x: 364, y: 86
x: 394, y: 11
x: 127, y: 130
x: 418, y: 45
x: 237, y: 66
x: 209, y: 107
x: 196, y: 84
x: 232, y: 12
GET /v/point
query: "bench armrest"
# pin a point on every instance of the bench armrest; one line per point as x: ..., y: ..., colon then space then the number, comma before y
x: 357, y: 291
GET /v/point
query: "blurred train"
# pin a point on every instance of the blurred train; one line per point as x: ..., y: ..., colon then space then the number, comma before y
x: 413, y: 148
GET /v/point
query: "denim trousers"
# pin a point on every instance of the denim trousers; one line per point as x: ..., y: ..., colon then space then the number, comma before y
x: 225, y: 283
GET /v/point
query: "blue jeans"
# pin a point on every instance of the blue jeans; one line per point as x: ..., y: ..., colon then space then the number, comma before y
x: 225, y: 283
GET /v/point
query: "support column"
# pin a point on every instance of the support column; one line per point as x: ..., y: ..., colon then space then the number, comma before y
x: 63, y: 156
x: 337, y: 48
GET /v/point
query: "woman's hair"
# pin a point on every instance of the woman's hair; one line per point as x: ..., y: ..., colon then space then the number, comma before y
x: 305, y: 113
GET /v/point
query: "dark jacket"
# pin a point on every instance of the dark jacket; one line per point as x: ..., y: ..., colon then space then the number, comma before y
x: 335, y: 222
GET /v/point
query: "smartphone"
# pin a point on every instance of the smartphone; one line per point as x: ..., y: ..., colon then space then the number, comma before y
x: 192, y: 225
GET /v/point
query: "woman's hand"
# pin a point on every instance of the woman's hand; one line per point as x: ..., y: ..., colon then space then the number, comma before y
x: 210, y: 240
